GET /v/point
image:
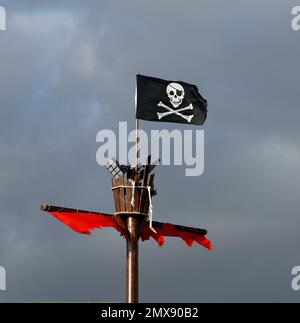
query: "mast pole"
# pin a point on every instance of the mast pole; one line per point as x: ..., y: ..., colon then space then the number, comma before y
x: 132, y: 247
x: 132, y: 261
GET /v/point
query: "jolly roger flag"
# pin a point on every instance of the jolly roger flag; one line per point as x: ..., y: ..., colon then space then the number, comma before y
x: 169, y: 101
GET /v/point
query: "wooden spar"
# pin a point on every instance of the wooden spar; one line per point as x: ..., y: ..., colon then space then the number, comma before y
x: 53, y: 208
x: 182, y: 228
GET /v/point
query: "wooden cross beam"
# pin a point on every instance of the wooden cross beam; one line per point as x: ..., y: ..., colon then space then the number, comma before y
x: 52, y: 209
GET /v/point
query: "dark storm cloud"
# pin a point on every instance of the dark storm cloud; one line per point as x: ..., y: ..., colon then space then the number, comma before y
x: 67, y: 71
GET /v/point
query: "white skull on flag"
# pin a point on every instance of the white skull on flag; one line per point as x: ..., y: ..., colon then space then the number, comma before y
x: 175, y: 93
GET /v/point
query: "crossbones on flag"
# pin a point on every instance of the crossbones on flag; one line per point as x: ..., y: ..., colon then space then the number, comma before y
x: 169, y: 101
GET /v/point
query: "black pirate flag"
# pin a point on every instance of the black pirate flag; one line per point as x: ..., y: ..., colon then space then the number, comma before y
x: 169, y: 101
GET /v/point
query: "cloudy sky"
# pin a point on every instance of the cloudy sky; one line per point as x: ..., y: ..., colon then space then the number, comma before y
x: 67, y: 70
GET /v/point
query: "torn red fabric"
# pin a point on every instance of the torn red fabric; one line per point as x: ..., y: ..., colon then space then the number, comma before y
x: 84, y: 222
x: 169, y: 230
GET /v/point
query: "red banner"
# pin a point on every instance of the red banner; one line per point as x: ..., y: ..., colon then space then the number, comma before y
x: 84, y: 222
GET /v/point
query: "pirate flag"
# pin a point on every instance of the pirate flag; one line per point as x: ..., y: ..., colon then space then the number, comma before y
x: 169, y: 101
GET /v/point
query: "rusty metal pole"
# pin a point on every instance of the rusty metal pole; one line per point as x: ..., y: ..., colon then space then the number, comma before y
x: 132, y: 261
x: 132, y: 244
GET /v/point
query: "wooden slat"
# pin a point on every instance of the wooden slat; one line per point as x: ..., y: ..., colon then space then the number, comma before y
x: 115, y: 183
x: 145, y: 181
x: 151, y: 180
x: 118, y: 206
x: 122, y: 194
x: 128, y: 196
x: 137, y: 179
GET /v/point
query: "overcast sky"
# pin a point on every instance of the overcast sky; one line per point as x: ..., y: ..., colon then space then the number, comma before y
x: 67, y: 70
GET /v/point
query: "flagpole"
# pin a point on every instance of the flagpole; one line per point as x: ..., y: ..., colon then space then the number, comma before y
x: 137, y: 140
x: 132, y: 244
x: 132, y: 260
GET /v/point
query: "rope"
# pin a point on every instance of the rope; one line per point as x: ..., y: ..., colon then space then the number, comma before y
x: 126, y: 186
x: 132, y: 193
x: 132, y: 202
x: 150, y: 209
